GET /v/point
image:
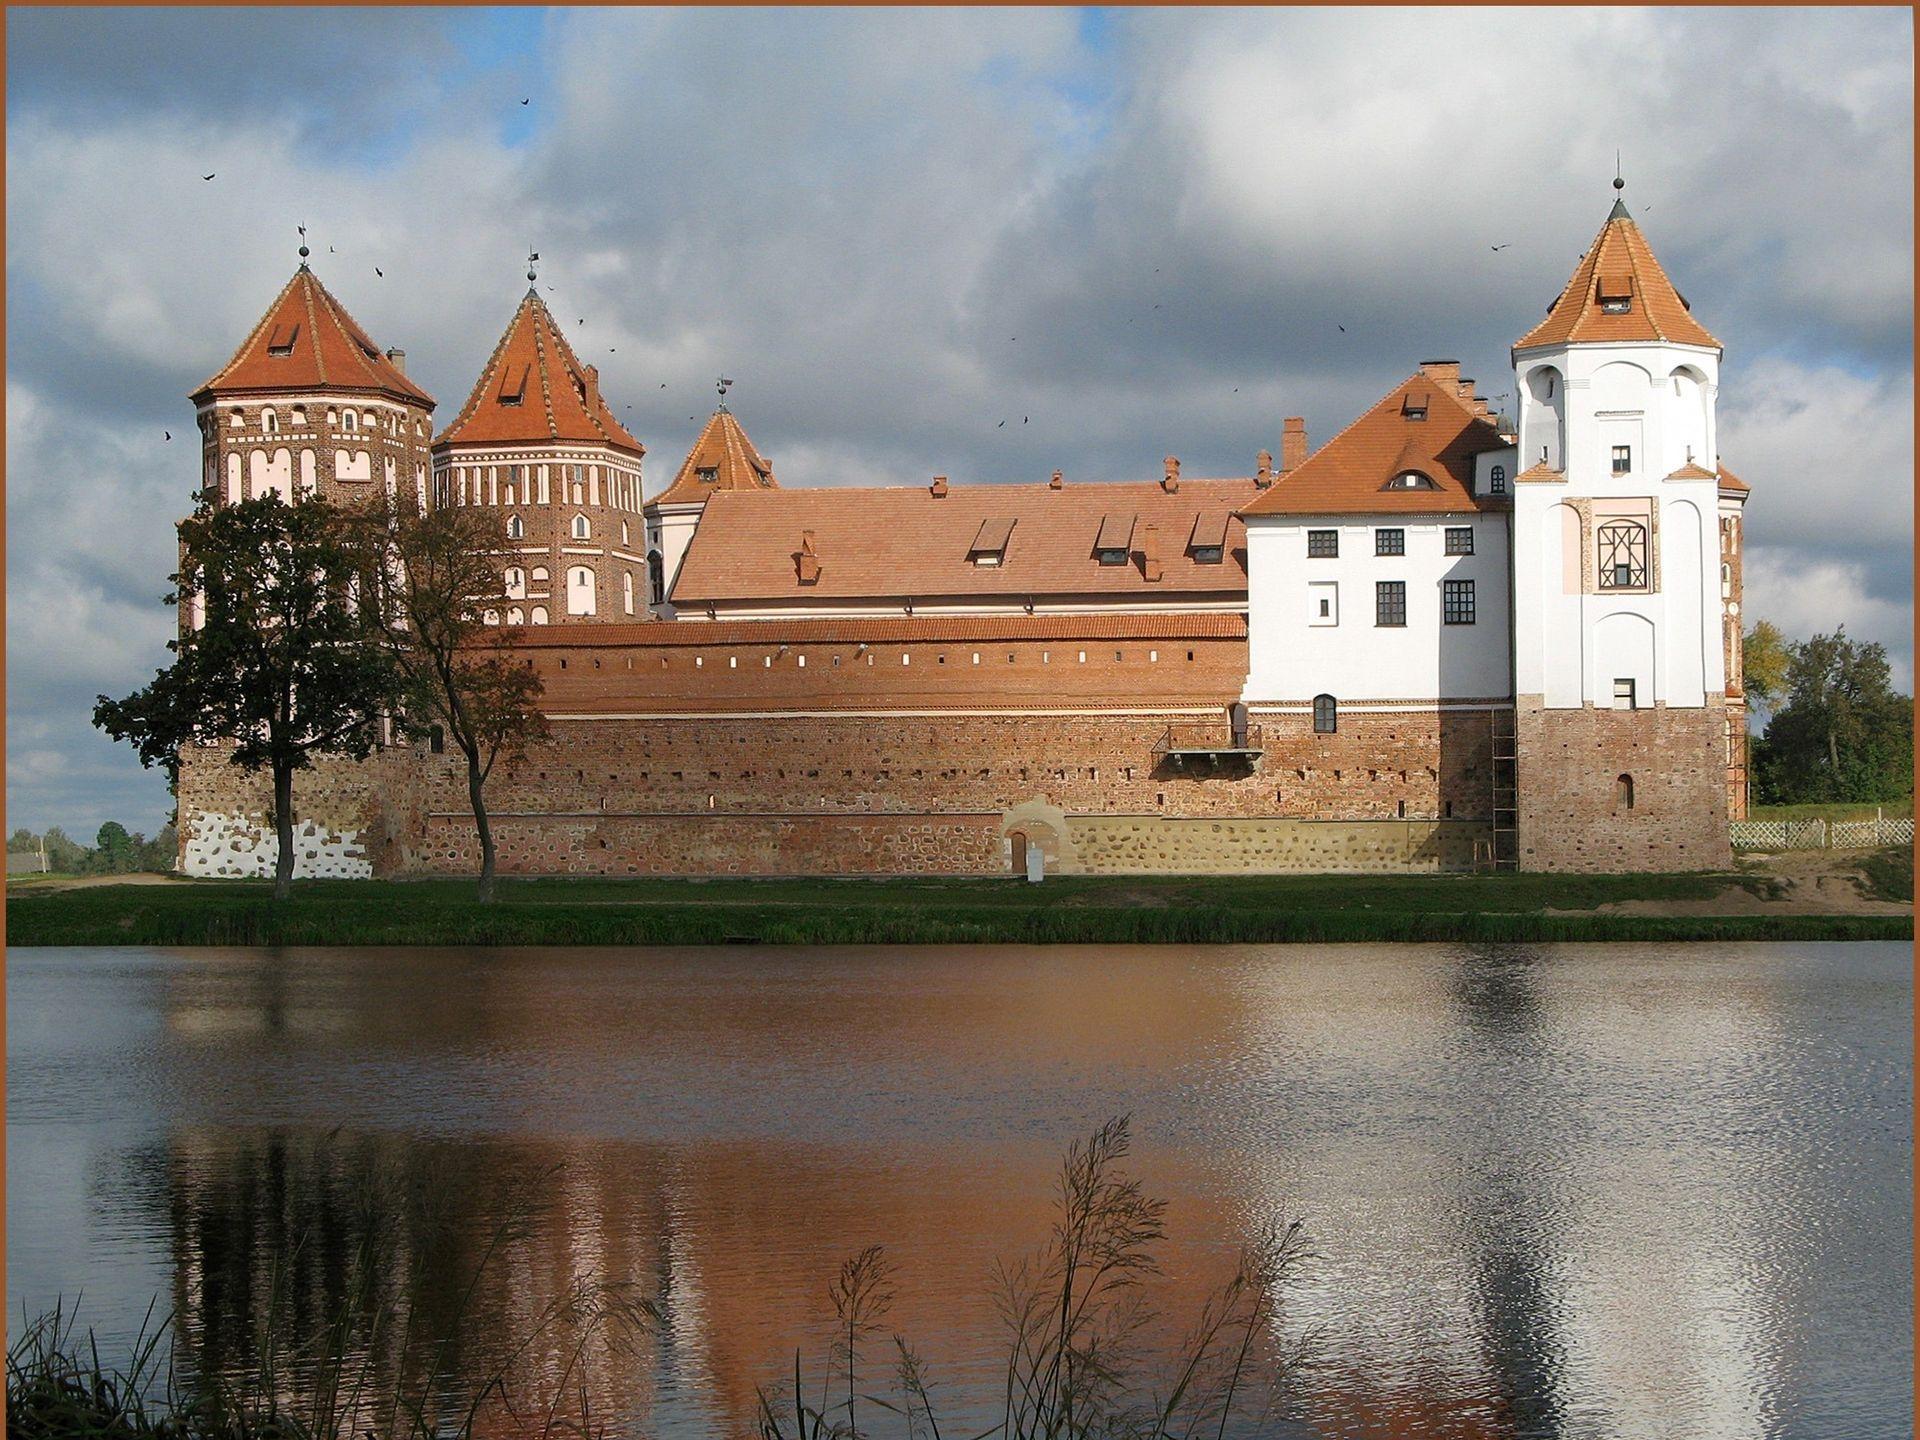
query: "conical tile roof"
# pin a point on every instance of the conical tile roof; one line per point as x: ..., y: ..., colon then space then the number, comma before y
x: 534, y: 388
x: 723, y: 458
x: 307, y: 341
x: 1621, y: 264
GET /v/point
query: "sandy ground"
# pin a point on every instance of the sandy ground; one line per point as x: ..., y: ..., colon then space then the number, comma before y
x: 28, y: 884
x: 1816, y: 882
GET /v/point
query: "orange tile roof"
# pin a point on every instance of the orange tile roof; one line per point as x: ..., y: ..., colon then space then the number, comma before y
x: 1732, y: 482
x: 1622, y: 264
x: 1540, y: 473
x: 1691, y: 471
x: 897, y: 543
x: 306, y: 340
x: 1350, y: 474
x: 724, y: 451
x: 534, y: 388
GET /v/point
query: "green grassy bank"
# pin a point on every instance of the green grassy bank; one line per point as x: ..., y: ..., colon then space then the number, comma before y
x: 845, y: 910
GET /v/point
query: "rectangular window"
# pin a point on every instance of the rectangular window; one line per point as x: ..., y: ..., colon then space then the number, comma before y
x: 1390, y: 542
x: 1113, y: 557
x: 1623, y: 695
x: 1323, y: 544
x: 1459, y: 540
x: 1456, y: 602
x: 1622, y: 459
x: 1390, y: 602
x: 1323, y: 603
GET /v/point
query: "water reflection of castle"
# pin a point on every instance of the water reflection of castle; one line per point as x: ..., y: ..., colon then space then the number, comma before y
x: 1498, y: 1256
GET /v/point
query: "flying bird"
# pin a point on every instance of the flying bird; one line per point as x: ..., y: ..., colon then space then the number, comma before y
x: 378, y: 271
x: 1001, y: 426
x: 167, y: 433
x: 329, y: 250
x: 663, y: 384
x: 209, y: 177
x: 1343, y: 329
x: 1023, y: 419
x: 1501, y: 247
x: 527, y: 101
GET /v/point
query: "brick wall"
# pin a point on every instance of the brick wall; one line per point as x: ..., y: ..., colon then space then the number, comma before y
x: 1572, y: 815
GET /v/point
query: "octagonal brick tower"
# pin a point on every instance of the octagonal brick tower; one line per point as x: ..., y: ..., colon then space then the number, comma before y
x: 537, y: 444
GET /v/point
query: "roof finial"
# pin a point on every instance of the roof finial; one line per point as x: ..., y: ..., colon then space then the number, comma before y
x: 303, y: 245
x: 722, y: 385
x: 1619, y: 184
x: 532, y: 256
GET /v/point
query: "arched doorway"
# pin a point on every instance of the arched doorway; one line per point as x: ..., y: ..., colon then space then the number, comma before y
x: 1018, y: 841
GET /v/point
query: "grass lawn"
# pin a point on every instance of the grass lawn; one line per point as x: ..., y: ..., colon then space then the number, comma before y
x: 848, y: 910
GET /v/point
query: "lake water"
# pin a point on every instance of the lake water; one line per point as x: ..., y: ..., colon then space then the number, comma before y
x: 1557, y: 1191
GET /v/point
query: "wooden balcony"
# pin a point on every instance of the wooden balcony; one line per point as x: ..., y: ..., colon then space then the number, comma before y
x: 1203, y: 747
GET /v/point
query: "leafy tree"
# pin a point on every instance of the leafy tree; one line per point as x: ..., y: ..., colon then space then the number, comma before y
x: 282, y: 666
x: 114, y: 849
x: 23, y: 841
x: 1843, y: 733
x: 65, y: 856
x: 1765, y: 657
x: 438, y: 575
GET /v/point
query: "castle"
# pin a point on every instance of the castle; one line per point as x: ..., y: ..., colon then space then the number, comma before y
x: 1435, y: 642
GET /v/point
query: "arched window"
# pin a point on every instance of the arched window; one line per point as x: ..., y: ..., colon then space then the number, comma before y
x: 349, y: 420
x: 539, y: 615
x: 1497, y: 480
x: 299, y: 416
x: 270, y: 420
x: 514, y: 617
x: 239, y: 418
x: 540, y: 576
x: 333, y: 416
x: 623, y: 533
x: 1623, y: 792
x: 626, y: 591
x: 1326, y: 716
x: 580, y: 597
x: 516, y: 529
x: 516, y: 583
x: 582, y: 530
x: 656, y: 580
x: 1622, y: 549
x: 578, y: 492
x: 491, y: 617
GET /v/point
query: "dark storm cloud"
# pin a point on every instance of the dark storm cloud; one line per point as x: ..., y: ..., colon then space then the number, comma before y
x: 897, y: 228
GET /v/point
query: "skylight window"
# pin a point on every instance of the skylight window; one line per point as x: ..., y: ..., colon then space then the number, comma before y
x: 1115, y: 540
x: 281, y: 341
x: 990, y: 543
x: 1413, y: 406
x: 1209, y: 543
x: 1615, y: 294
x: 513, y: 386
x: 1411, y: 480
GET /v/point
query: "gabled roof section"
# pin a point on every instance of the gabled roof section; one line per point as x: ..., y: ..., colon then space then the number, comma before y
x: 306, y: 340
x: 1731, y: 483
x: 1353, y: 473
x: 1618, y: 292
x: 535, y: 389
x: 723, y: 458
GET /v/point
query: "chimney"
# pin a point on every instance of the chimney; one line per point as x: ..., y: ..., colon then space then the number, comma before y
x: 1441, y: 372
x: 1263, y: 477
x: 1293, y: 444
x: 398, y: 359
x: 1170, y: 482
x: 1057, y: 482
x: 1464, y: 391
x: 593, y: 385
x: 939, y: 486
x: 807, y: 562
x: 1150, y: 550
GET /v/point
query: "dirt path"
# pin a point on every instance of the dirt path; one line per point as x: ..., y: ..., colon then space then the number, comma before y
x: 1812, y: 882
x: 30, y: 885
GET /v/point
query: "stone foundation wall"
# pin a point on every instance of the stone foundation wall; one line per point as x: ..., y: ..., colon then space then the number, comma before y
x: 1572, y: 810
x: 1151, y: 844
x: 351, y: 818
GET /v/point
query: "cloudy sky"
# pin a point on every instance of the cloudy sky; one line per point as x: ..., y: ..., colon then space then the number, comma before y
x: 1128, y: 233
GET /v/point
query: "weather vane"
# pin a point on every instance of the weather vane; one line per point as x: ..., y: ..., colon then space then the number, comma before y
x: 1618, y: 183
x: 532, y: 256
x: 722, y: 385
x: 303, y: 243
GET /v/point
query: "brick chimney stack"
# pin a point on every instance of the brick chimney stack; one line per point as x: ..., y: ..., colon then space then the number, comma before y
x: 398, y: 359
x: 939, y: 486
x: 1442, y: 372
x: 1170, y: 482
x: 1263, y: 477
x: 592, y: 373
x: 1293, y: 444
x: 1057, y: 482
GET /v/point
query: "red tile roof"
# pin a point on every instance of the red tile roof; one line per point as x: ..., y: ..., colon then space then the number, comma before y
x: 1732, y: 482
x: 724, y: 453
x: 307, y: 341
x: 1352, y: 473
x: 534, y: 389
x: 1691, y: 471
x: 903, y: 542
x: 1619, y: 265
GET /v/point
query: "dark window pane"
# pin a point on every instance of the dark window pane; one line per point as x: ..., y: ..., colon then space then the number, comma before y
x: 1390, y: 602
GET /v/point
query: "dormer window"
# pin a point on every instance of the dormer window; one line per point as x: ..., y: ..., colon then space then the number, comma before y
x: 1615, y: 294
x: 1209, y: 545
x: 990, y: 543
x: 1115, y: 539
x: 1411, y: 480
x: 1413, y: 406
x: 707, y: 475
x: 513, y: 386
x: 280, y: 342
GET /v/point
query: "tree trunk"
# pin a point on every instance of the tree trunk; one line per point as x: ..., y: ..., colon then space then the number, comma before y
x: 476, y: 787
x: 283, y: 830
